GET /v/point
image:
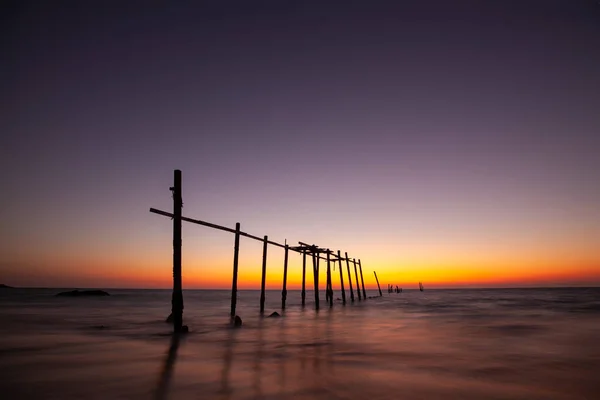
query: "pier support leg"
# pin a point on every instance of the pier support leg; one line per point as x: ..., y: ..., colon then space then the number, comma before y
x: 378, y: 287
x: 362, y: 280
x: 339, y: 254
x: 357, y: 281
x: 329, y: 291
x: 177, y: 297
x: 303, y: 294
x: 349, y: 278
x: 236, y: 248
x: 316, y: 279
x: 264, y: 276
x: 285, y: 268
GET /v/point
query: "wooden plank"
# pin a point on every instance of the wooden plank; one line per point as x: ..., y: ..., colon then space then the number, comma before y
x: 230, y: 230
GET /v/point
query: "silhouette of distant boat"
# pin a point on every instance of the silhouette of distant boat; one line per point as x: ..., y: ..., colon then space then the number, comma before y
x: 421, y: 287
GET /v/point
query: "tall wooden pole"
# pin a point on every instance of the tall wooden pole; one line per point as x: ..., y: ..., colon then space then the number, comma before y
x: 264, y: 275
x: 362, y: 280
x: 379, y: 287
x: 177, y: 297
x: 285, y: 268
x: 349, y: 277
x: 316, y: 279
x: 342, y: 278
x: 329, y: 285
x: 357, y: 281
x: 236, y: 250
x: 303, y: 278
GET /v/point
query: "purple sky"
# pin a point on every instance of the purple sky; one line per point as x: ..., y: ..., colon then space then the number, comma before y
x: 359, y: 125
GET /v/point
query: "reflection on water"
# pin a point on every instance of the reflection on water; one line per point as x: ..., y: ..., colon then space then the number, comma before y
x: 167, y: 370
x: 258, y: 359
x: 229, y: 346
x: 511, y: 344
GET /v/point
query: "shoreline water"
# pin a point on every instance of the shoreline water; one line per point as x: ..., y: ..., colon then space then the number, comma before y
x: 467, y: 344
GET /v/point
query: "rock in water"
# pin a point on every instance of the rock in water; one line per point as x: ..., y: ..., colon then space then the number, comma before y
x: 83, y: 293
x: 237, y: 321
x: 274, y: 314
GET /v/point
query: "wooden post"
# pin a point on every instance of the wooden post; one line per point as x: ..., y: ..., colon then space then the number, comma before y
x: 177, y: 297
x: 380, y: 294
x: 357, y: 281
x: 349, y: 277
x: 316, y: 279
x: 329, y: 286
x: 362, y: 280
x: 303, y: 278
x: 342, y: 278
x: 285, y: 267
x: 236, y: 249
x: 264, y: 276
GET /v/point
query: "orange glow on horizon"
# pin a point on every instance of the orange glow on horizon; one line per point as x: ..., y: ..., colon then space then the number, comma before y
x: 431, y: 277
x: 213, y: 270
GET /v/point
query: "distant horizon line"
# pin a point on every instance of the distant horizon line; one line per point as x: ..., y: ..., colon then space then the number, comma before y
x: 297, y: 290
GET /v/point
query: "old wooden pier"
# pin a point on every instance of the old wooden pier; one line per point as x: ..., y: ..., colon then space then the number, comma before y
x: 316, y: 254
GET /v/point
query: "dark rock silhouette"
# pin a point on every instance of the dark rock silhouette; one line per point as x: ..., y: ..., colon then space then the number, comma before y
x: 237, y: 321
x: 3, y: 286
x: 274, y: 314
x: 83, y: 293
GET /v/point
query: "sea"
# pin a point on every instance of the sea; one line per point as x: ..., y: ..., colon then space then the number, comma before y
x: 436, y: 344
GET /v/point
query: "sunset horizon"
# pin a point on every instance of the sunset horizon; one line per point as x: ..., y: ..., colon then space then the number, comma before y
x: 167, y: 166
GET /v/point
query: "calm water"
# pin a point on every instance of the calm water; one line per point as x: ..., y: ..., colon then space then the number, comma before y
x: 463, y: 344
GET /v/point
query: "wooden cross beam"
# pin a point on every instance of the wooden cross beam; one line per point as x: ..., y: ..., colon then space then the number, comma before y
x: 310, y: 249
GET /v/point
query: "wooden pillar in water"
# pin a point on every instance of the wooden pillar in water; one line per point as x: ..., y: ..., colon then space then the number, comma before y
x: 236, y: 250
x: 357, y: 281
x: 362, y: 280
x: 339, y: 254
x: 264, y: 276
x: 316, y: 279
x: 285, y: 267
x: 303, y: 294
x: 379, y: 287
x: 349, y: 277
x: 329, y: 285
x: 177, y: 296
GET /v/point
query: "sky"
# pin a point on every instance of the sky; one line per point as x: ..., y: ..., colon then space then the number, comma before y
x: 450, y: 142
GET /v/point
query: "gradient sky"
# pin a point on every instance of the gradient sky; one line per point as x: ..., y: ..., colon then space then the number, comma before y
x: 451, y: 142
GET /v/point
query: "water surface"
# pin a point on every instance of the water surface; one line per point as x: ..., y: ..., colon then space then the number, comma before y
x: 463, y: 344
